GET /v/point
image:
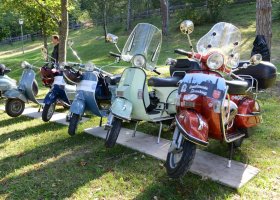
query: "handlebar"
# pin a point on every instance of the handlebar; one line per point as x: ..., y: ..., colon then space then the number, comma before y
x: 114, y: 54
x: 182, y: 52
x: 157, y: 72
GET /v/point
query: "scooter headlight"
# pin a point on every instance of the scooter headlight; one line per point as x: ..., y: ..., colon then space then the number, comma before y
x: 139, y: 61
x: 24, y: 64
x: 89, y: 66
x: 215, y: 61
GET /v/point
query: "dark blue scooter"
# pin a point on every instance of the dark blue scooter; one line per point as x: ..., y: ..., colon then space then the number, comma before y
x: 60, y: 93
x: 95, y: 90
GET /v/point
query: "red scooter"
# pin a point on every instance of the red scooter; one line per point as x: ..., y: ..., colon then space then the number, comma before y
x: 214, y: 102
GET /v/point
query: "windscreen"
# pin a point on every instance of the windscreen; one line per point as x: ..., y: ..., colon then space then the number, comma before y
x: 225, y: 38
x: 146, y: 40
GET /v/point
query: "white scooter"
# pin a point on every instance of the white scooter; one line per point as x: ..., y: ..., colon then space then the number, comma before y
x: 134, y: 101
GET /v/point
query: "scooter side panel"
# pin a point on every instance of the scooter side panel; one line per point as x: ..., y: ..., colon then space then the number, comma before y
x: 15, y: 94
x: 6, y: 83
x: 122, y: 108
x: 26, y: 83
x: 193, y: 126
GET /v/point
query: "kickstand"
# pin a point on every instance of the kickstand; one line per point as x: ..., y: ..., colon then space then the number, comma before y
x: 230, y: 154
x: 159, y: 133
x: 39, y: 110
x: 100, y: 122
x: 135, y: 129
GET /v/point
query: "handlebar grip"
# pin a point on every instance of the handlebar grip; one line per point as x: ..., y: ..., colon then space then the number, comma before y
x: 114, y: 54
x: 182, y: 52
x: 158, y: 73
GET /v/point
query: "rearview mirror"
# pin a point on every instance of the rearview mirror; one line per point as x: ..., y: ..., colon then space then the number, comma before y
x: 44, y: 52
x: 112, y: 38
x: 70, y: 43
x: 187, y: 27
x: 256, y: 59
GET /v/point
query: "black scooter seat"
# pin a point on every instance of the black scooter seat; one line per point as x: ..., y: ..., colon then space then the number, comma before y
x: 164, y: 82
x: 237, y: 87
x: 113, y: 80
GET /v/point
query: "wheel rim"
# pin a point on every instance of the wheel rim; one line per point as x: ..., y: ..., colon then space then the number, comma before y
x: 16, y: 106
x: 175, y: 158
x: 50, y: 111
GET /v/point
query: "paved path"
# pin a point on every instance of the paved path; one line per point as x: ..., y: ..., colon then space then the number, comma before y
x: 205, y: 164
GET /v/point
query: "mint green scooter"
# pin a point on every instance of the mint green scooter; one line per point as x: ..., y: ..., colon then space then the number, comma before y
x: 134, y: 101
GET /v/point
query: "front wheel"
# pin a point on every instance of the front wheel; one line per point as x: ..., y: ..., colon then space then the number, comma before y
x: 113, y: 133
x: 73, y: 124
x: 14, y: 107
x: 179, y: 161
x: 48, y: 111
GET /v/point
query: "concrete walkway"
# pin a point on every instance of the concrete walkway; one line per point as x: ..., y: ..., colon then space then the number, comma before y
x: 205, y: 164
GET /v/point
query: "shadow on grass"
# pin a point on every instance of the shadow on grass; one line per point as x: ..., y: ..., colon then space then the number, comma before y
x: 13, y: 120
x: 34, y: 130
x: 59, y: 170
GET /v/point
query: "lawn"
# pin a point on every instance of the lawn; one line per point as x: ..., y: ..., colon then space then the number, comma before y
x: 40, y: 161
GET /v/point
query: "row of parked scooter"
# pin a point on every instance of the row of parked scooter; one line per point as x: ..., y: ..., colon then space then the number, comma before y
x: 209, y: 94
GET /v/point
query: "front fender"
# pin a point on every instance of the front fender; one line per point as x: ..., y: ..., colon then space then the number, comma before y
x: 78, y: 106
x: 193, y: 126
x: 15, y: 94
x: 50, y: 98
x: 122, y: 108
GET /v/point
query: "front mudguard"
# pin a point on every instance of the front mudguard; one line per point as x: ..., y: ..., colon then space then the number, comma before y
x: 15, y: 94
x: 193, y: 127
x: 122, y: 108
x: 50, y: 98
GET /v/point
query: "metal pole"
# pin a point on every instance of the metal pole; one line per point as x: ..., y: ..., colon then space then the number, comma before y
x: 22, y: 38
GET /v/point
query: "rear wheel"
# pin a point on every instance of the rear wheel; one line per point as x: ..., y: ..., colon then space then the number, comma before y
x: 48, y: 111
x: 179, y: 161
x: 14, y: 107
x: 73, y: 124
x: 113, y: 133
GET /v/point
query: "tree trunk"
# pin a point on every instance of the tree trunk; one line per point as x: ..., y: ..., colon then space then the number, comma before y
x: 164, y: 7
x: 63, y: 31
x: 44, y: 31
x: 264, y: 21
x: 105, y: 20
x: 128, y: 20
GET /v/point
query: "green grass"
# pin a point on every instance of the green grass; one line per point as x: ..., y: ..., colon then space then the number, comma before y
x: 40, y: 161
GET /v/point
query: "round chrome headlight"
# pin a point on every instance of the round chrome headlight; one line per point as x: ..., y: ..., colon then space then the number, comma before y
x: 89, y: 66
x: 24, y: 64
x: 215, y: 61
x: 139, y: 61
